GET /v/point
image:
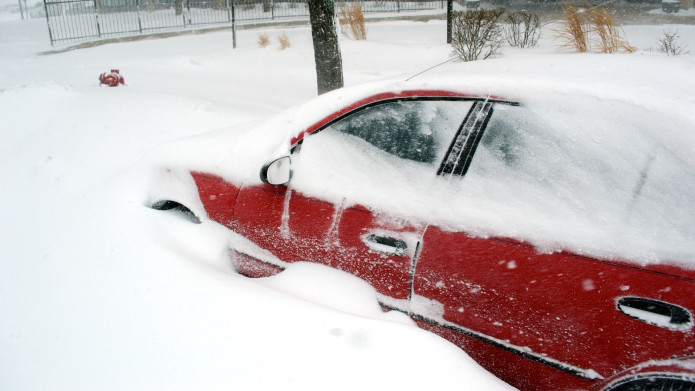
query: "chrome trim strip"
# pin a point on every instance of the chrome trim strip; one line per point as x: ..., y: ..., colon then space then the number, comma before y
x: 525, y: 352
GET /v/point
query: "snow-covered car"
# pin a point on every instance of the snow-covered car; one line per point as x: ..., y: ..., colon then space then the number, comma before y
x: 542, y: 218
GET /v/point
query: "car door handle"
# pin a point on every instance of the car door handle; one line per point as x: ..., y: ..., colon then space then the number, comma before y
x: 386, y: 244
x: 657, y: 313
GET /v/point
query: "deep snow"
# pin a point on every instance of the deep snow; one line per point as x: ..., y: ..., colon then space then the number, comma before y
x: 99, y: 292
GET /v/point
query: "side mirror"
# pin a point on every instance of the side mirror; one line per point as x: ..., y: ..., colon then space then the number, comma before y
x: 277, y: 172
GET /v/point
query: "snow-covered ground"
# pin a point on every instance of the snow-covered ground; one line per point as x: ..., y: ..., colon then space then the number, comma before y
x: 98, y: 291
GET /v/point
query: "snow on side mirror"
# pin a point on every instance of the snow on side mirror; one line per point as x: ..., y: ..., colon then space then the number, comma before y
x: 277, y: 172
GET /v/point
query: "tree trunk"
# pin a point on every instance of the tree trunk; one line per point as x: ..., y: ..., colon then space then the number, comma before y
x: 329, y: 65
x: 449, y: 15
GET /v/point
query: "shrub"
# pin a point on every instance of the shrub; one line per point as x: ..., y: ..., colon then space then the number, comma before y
x: 573, y: 31
x: 284, y: 41
x: 523, y: 29
x: 263, y: 40
x: 351, y: 22
x: 609, y: 36
x: 671, y: 45
x: 476, y: 34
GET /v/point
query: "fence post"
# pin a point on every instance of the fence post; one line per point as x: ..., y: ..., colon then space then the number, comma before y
x: 48, y: 22
x: 398, y: 6
x: 21, y: 10
x: 96, y: 17
x: 137, y: 9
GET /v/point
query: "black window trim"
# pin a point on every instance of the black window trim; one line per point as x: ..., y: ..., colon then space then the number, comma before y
x: 297, y: 147
x: 466, y: 140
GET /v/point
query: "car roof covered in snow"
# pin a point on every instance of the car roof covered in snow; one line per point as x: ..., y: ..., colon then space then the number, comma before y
x: 657, y: 84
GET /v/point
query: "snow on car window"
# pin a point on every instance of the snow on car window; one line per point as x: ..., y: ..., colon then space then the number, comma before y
x: 413, y: 130
x: 663, y: 200
x: 381, y: 156
x: 599, y: 180
x: 530, y: 158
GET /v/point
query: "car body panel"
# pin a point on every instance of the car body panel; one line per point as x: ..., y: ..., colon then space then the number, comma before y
x: 217, y: 195
x: 276, y: 219
x: 484, y: 284
x: 513, y: 306
x: 510, y: 366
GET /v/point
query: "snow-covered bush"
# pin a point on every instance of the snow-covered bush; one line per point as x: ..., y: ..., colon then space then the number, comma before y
x: 523, y: 29
x: 476, y: 34
x: 671, y: 45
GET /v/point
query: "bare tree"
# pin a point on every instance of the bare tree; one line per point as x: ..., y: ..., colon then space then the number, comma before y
x: 476, y: 34
x: 449, y: 19
x: 671, y: 45
x: 329, y: 64
x: 523, y: 29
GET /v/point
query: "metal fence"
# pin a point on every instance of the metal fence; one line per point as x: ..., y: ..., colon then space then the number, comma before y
x: 83, y: 20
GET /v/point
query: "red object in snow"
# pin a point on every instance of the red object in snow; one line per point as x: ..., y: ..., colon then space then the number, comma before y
x: 112, y: 79
x: 539, y: 320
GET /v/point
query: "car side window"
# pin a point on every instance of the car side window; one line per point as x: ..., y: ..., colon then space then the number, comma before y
x: 417, y: 130
x: 536, y: 163
x: 383, y: 156
x: 601, y: 179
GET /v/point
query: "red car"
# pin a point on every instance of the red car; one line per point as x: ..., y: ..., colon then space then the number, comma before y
x: 547, y: 231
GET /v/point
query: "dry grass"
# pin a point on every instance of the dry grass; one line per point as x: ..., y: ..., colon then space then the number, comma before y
x: 574, y: 31
x: 284, y: 41
x: 263, y: 40
x: 351, y: 22
x: 579, y: 27
x: 608, y: 37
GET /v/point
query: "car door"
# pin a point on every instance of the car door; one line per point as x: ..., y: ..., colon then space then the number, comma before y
x: 533, y: 314
x: 352, y: 200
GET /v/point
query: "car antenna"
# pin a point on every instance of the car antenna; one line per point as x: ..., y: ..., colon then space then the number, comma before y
x: 430, y: 68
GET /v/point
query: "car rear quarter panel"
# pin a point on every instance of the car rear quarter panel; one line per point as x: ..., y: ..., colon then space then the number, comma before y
x: 558, y: 305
